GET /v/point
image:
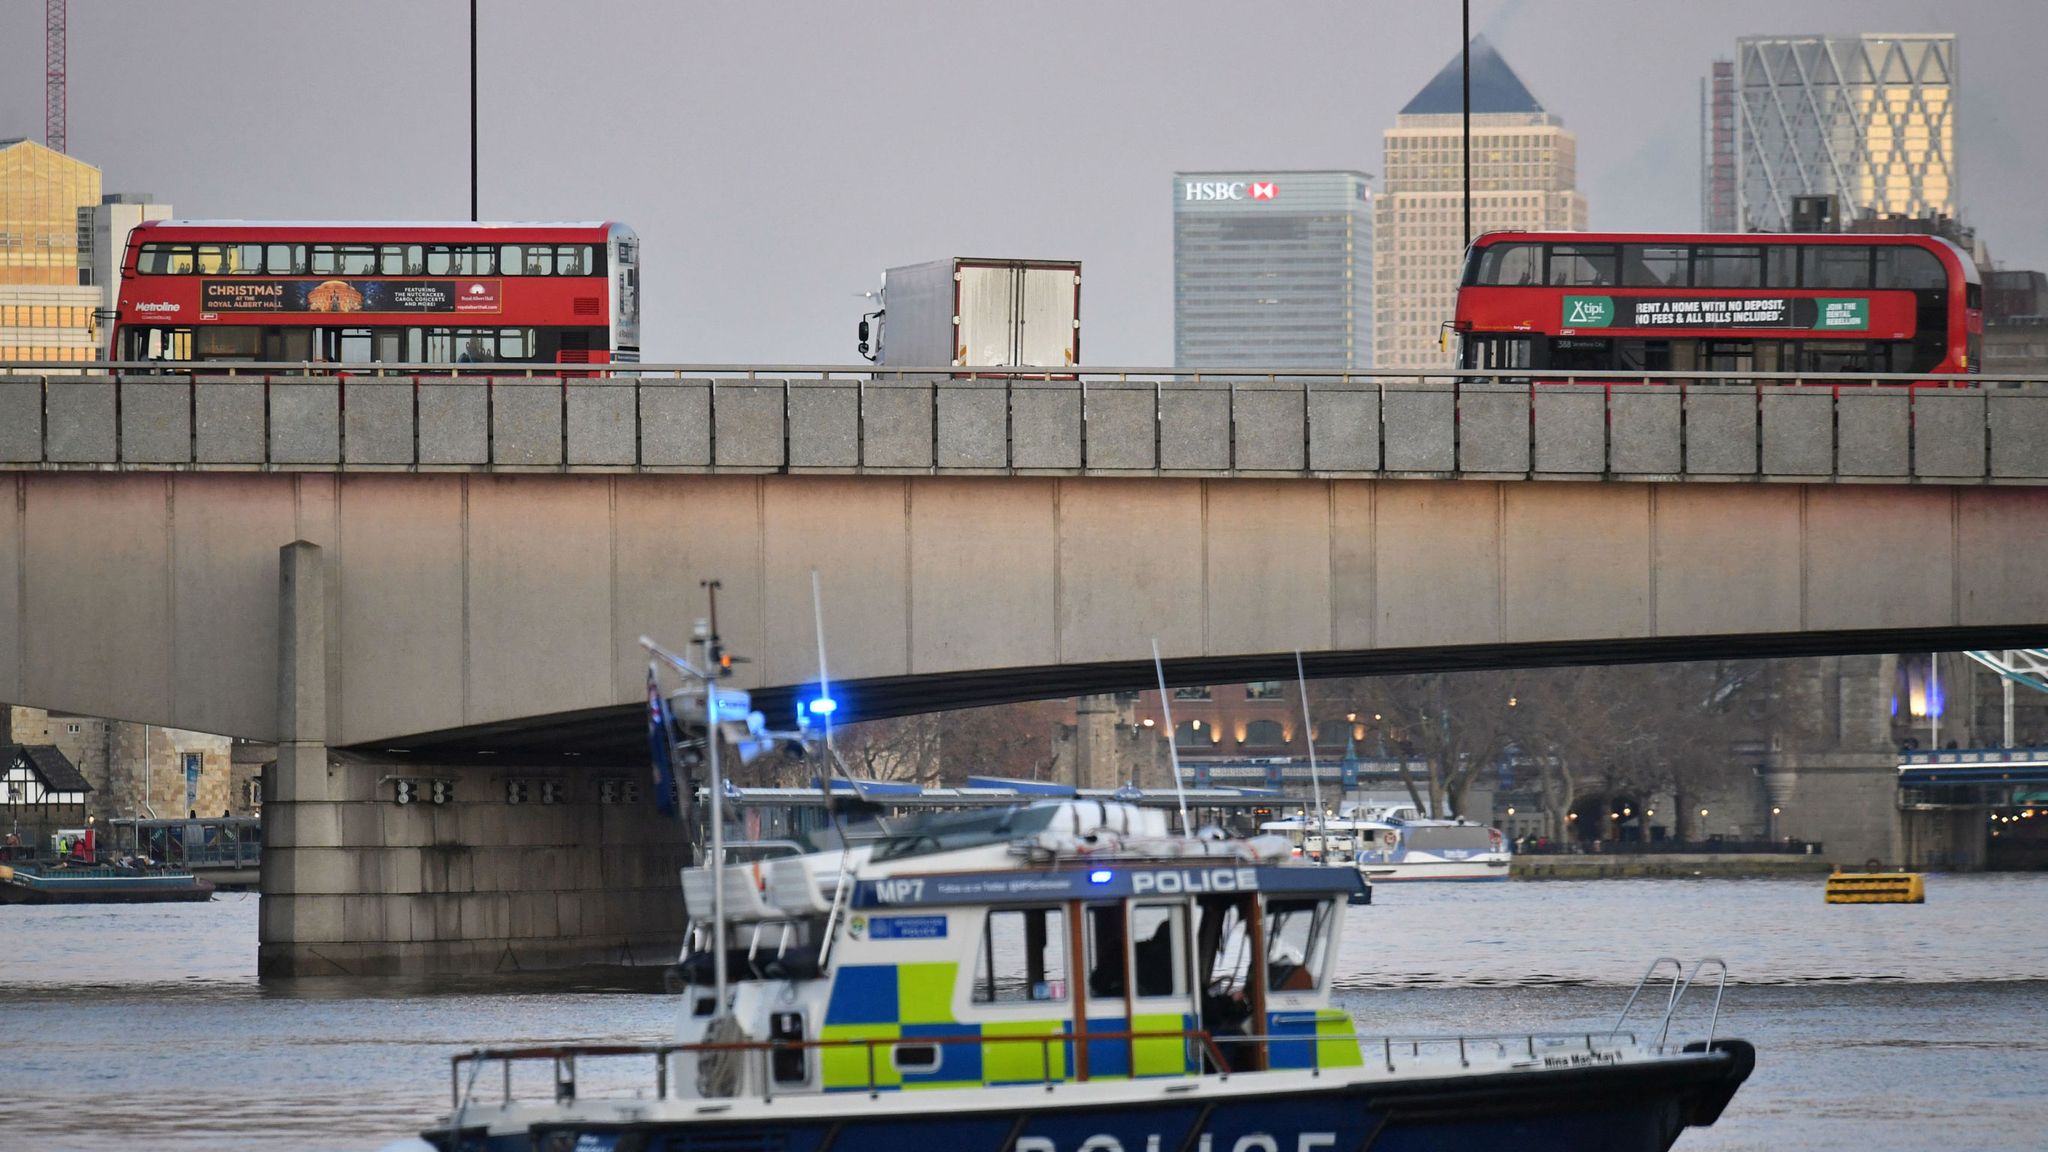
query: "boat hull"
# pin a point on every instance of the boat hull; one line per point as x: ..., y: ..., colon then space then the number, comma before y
x: 1461, y: 870
x: 20, y: 886
x: 1617, y: 1107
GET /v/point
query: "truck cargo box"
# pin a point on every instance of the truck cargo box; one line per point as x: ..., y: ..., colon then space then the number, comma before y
x: 977, y: 313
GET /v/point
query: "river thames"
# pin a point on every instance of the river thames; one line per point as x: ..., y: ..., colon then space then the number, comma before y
x: 1876, y: 1027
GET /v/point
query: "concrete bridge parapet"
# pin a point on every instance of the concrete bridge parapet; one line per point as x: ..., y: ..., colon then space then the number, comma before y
x: 1103, y: 422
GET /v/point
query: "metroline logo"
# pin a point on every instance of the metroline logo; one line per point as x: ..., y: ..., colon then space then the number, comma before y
x: 1230, y: 190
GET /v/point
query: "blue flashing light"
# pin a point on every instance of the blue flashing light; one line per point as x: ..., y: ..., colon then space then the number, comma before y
x: 1100, y: 876
x: 822, y: 706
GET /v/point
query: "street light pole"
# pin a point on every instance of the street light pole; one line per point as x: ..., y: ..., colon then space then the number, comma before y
x: 1465, y: 57
x: 472, y: 112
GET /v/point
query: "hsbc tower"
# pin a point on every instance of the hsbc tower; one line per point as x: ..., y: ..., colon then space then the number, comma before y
x: 1272, y: 269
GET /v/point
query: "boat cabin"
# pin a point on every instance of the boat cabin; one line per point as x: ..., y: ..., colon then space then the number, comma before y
x: 1070, y: 940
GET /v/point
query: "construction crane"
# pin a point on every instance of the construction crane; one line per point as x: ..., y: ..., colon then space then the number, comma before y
x: 53, y: 74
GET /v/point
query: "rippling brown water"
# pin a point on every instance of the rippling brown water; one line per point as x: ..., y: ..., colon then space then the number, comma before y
x: 1877, y: 1027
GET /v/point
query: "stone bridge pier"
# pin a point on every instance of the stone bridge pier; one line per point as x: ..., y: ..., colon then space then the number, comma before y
x: 513, y: 869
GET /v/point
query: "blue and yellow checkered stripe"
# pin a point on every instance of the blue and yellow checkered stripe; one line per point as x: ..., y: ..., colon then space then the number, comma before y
x: 1327, y: 1040
x: 910, y: 1002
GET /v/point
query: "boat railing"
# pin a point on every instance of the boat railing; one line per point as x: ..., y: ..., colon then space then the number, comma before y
x: 1203, y: 1048
x: 1681, y: 982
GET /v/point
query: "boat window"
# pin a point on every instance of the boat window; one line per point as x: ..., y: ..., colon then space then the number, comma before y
x: 1224, y: 944
x: 1295, y: 938
x: 916, y: 1058
x: 1106, y: 950
x: 966, y: 830
x: 1468, y: 838
x: 1158, y: 949
x: 1023, y: 957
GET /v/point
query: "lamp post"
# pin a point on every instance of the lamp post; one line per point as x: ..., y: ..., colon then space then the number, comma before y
x: 1465, y: 58
x: 472, y: 112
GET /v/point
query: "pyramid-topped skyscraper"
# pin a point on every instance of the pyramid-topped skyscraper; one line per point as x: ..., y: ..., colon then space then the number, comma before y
x: 1524, y: 172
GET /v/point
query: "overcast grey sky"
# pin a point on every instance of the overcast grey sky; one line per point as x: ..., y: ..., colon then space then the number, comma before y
x: 776, y: 156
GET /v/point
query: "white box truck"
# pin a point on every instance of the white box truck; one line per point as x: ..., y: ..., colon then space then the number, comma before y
x: 977, y: 313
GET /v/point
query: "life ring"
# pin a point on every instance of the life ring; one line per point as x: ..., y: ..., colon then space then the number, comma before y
x: 1390, y: 837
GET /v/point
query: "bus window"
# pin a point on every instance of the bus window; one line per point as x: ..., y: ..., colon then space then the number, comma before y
x: 515, y: 344
x: 348, y: 345
x: 1582, y: 353
x: 1736, y: 356
x: 246, y: 259
x: 569, y: 260
x: 1642, y: 355
x: 512, y: 259
x: 324, y: 261
x: 1835, y: 266
x: 474, y: 261
x: 1914, y: 269
x: 1781, y: 266
x: 1573, y: 265
x: 391, y: 260
x: 1656, y: 266
x: 1510, y: 264
x: 212, y: 259
x: 1729, y: 267
x: 1838, y: 357
x: 1492, y: 351
x: 540, y: 260
x: 415, y: 259
x: 440, y: 260
x: 228, y: 342
x: 358, y: 260
x: 163, y: 259
x: 288, y: 345
x: 284, y: 259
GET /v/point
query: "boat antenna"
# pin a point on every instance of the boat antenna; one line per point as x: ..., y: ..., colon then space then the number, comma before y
x: 1308, y: 734
x: 829, y: 706
x: 1172, y: 751
x: 825, y: 705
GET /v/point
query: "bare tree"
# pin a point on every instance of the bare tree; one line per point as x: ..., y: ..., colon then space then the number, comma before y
x: 1458, y: 723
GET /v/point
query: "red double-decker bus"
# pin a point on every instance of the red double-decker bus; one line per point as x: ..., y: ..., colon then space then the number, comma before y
x: 359, y: 293
x: 1831, y: 305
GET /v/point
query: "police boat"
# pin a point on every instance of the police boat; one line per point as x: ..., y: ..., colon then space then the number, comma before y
x: 1067, y: 976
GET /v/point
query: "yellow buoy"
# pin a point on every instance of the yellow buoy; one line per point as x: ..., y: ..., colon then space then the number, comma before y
x: 1876, y: 888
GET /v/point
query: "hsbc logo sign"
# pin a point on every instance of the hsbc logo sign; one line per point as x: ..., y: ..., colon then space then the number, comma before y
x: 1230, y: 190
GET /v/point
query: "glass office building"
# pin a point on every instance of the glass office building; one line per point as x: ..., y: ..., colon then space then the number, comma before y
x: 1869, y: 120
x: 1272, y: 269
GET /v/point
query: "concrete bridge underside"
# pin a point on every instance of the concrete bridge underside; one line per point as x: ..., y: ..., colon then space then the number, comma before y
x: 474, y: 604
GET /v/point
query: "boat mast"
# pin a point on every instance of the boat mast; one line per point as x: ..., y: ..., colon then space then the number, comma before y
x: 1309, y: 736
x: 1172, y: 741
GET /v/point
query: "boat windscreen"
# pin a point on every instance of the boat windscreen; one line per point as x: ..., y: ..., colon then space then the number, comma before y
x: 944, y: 832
